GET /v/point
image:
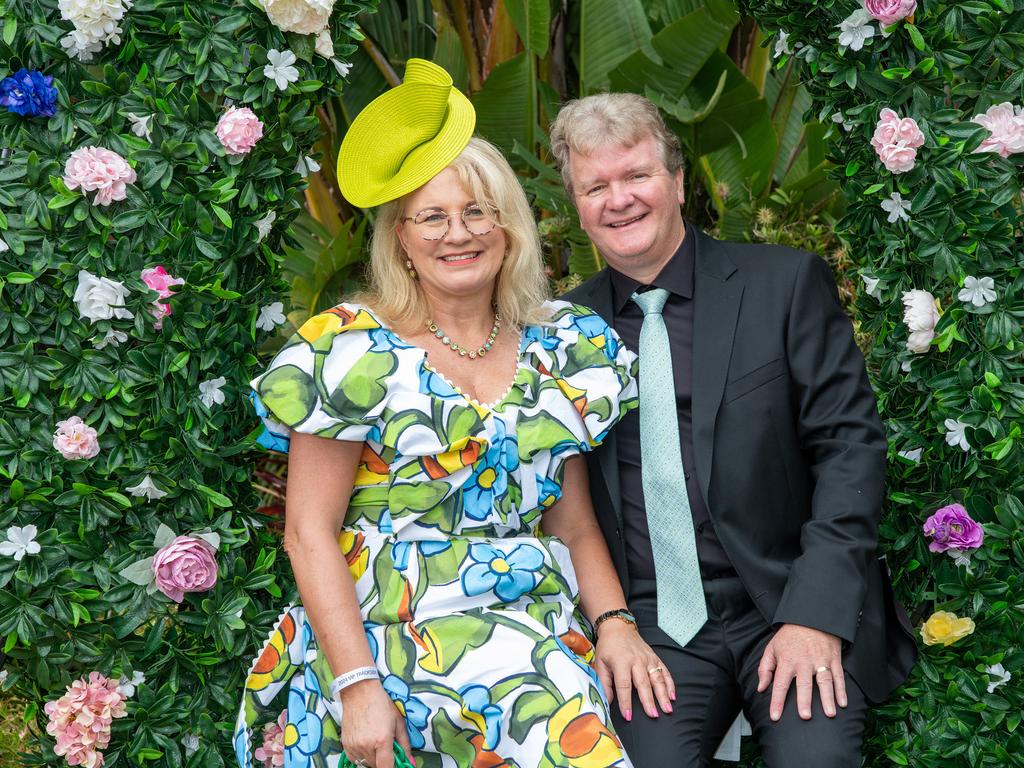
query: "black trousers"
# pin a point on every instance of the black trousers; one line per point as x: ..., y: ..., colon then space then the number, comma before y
x: 716, y: 677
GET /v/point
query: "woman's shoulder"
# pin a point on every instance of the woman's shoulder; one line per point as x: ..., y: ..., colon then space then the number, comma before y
x: 572, y: 325
x: 346, y: 318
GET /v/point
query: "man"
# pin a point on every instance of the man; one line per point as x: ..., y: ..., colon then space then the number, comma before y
x: 740, y: 502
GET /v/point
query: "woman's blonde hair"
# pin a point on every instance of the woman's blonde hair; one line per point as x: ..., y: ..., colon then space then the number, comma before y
x: 521, y: 286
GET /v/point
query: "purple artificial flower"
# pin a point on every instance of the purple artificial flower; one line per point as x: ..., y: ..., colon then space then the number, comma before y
x: 30, y: 94
x: 952, y: 528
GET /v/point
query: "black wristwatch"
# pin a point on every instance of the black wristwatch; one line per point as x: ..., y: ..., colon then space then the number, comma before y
x: 618, y: 613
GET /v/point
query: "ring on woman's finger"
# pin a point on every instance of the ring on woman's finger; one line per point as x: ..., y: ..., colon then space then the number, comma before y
x: 820, y: 670
x: 652, y: 670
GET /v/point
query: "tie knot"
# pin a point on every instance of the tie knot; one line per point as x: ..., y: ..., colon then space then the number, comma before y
x: 652, y: 301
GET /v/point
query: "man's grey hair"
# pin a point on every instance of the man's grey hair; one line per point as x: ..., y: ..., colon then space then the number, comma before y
x: 624, y: 119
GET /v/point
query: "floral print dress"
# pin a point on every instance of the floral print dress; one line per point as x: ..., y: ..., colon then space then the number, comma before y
x: 471, y: 613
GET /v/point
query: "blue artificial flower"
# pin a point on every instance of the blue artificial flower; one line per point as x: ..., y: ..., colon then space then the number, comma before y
x: 413, y: 710
x: 478, y: 709
x: 29, y: 94
x: 510, y: 576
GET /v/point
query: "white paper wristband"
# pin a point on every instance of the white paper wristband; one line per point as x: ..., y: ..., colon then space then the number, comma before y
x: 352, y: 676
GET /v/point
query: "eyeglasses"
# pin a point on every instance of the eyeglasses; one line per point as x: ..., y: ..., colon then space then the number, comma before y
x: 433, y: 223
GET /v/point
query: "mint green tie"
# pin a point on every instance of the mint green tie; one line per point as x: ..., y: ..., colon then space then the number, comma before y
x: 681, y: 609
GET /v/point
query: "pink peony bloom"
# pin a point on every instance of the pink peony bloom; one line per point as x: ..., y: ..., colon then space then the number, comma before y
x: 890, y: 11
x: 80, y: 719
x: 187, y: 564
x: 75, y: 439
x: 1006, y: 130
x: 272, y: 751
x: 99, y: 170
x: 896, y: 141
x: 951, y: 527
x: 239, y: 130
x: 157, y: 279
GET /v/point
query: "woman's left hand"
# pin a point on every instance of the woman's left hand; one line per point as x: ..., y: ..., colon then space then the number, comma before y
x: 624, y: 662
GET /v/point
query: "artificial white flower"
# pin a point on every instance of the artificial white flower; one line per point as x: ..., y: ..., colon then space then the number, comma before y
x: 4, y: 247
x: 897, y: 208
x: 961, y: 557
x: 98, y: 298
x: 999, y: 671
x: 95, y: 22
x: 146, y: 488
x: 20, y: 542
x: 307, y: 17
x: 838, y: 119
x: 782, y: 44
x: 920, y: 316
x: 343, y: 68
x: 905, y: 365
x: 271, y: 316
x: 191, y: 744
x: 324, y: 45
x: 955, y: 433
x: 112, y: 339
x: 872, y: 286
x: 210, y: 391
x: 280, y: 68
x: 914, y: 455
x: 126, y: 687
x: 306, y: 165
x: 855, y: 29
x: 978, y: 291
x: 3, y: 676
x: 142, y: 126
x: 264, y: 225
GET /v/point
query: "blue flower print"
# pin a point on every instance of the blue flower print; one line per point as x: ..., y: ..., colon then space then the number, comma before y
x: 413, y: 710
x: 302, y: 733
x: 400, y: 551
x: 596, y: 329
x: 489, y: 480
x: 510, y: 576
x: 591, y: 672
x: 370, y: 638
x: 548, y: 491
x: 478, y: 709
x: 540, y: 335
x: 385, y: 340
x: 433, y: 384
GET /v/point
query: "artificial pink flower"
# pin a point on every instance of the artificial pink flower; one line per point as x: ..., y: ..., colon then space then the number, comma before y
x: 80, y: 719
x: 99, y: 170
x: 951, y: 527
x: 239, y: 130
x: 75, y: 439
x: 187, y: 564
x: 272, y: 751
x: 896, y: 141
x: 1006, y: 129
x: 157, y: 279
x: 890, y: 11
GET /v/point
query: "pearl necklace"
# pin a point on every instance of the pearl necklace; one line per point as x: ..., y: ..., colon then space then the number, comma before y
x: 456, y: 347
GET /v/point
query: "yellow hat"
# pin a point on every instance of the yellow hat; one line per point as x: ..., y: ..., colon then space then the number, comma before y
x: 404, y: 137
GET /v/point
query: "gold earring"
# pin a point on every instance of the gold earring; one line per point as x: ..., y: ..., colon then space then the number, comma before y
x: 408, y: 266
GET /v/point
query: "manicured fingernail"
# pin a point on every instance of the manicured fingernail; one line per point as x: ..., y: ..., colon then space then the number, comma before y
x: 628, y: 714
x: 830, y: 712
x: 672, y: 695
x: 775, y: 715
x: 652, y: 712
x: 669, y: 709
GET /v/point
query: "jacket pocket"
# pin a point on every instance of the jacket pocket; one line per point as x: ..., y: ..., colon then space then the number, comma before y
x: 750, y: 381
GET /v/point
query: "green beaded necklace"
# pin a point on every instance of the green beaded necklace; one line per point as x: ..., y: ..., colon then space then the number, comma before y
x: 454, y: 346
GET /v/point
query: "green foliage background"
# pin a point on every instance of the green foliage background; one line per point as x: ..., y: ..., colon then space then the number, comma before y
x: 66, y: 611
x: 952, y: 62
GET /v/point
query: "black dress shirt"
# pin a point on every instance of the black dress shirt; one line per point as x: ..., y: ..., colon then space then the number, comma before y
x: 677, y: 278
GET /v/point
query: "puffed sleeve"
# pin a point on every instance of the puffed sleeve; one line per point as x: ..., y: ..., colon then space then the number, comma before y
x: 330, y: 379
x: 592, y: 368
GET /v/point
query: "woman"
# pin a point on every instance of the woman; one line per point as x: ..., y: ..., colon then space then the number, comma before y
x: 458, y: 401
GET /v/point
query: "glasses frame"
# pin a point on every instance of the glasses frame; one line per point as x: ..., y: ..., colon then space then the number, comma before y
x: 488, y: 210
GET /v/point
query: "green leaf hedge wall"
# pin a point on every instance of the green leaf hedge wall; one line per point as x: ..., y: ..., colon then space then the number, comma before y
x: 936, y: 207
x: 160, y: 375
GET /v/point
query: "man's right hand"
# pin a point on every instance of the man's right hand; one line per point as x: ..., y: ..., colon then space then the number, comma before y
x: 370, y: 724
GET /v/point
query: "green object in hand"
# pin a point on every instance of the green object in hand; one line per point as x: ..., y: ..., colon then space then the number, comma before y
x: 401, y: 761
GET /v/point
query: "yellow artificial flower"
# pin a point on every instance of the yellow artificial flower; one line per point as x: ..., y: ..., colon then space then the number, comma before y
x: 945, y: 628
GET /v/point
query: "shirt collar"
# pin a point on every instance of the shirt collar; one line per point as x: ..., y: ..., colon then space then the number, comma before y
x: 675, y: 277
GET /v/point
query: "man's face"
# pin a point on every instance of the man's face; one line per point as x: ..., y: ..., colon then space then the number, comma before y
x: 629, y: 206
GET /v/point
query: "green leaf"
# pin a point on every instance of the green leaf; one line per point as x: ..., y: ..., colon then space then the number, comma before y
x: 610, y: 31
x: 532, y: 20
x: 918, y: 41
x: 10, y: 29
x: 221, y: 214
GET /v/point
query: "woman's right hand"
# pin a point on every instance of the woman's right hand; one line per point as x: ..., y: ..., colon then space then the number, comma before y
x: 370, y: 724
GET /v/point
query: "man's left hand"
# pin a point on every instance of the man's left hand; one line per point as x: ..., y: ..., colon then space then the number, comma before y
x: 807, y: 656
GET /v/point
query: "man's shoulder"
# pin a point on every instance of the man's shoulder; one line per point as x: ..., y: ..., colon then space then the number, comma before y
x: 767, y: 258
x: 583, y: 293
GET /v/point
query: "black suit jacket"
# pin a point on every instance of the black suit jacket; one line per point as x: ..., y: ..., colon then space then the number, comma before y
x: 789, y: 450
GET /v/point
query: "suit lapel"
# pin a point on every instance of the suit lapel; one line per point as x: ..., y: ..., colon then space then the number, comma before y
x: 716, y: 308
x: 599, y: 299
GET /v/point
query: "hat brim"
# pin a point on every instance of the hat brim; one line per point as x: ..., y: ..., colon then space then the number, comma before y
x: 356, y: 159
